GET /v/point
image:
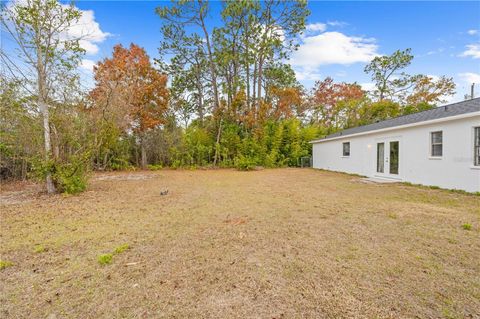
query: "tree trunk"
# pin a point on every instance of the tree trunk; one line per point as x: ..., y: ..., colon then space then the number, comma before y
x: 259, y: 81
x: 211, y: 61
x: 42, y: 86
x: 217, y: 144
x: 144, y: 153
x: 247, y: 65
x: 48, y: 147
x: 254, y: 84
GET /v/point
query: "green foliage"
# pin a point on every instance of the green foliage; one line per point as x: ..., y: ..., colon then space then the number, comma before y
x: 119, y: 164
x: 378, y: 111
x: 467, y: 226
x: 70, y: 176
x: 4, y: 264
x: 243, y: 163
x: 121, y: 249
x: 105, y: 259
x: 383, y: 68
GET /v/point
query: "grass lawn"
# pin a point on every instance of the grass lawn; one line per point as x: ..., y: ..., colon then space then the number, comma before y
x: 282, y: 243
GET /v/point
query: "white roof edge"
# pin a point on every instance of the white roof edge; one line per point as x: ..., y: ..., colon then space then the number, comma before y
x: 444, y: 119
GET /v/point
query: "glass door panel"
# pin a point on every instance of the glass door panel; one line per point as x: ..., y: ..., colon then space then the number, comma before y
x: 394, y: 157
x: 380, y: 157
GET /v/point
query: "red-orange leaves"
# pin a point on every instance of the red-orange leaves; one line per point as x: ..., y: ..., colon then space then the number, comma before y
x: 130, y: 90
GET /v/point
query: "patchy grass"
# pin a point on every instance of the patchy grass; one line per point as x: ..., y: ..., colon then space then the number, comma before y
x: 121, y: 249
x: 292, y: 243
x: 39, y: 249
x: 467, y: 226
x: 5, y: 264
x: 105, y: 259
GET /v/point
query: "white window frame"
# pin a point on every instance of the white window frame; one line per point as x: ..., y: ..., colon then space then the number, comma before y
x: 431, y: 155
x: 349, y: 149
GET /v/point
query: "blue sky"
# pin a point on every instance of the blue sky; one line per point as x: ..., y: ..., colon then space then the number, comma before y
x: 341, y: 37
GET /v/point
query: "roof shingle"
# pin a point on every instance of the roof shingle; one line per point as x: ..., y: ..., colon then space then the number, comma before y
x: 459, y: 108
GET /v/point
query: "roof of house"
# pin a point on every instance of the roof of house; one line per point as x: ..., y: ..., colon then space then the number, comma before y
x: 468, y: 106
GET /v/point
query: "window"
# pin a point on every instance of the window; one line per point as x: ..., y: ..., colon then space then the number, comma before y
x: 476, y: 147
x: 436, y: 149
x: 346, y: 149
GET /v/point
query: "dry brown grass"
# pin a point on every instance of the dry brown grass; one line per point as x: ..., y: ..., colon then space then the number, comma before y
x: 284, y: 243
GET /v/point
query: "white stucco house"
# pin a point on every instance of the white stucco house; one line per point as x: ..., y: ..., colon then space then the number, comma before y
x: 438, y: 147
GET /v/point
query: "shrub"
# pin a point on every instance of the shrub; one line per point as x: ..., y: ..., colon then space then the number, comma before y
x: 176, y: 164
x: 243, y: 163
x: 154, y: 167
x: 119, y: 164
x: 5, y: 264
x: 105, y: 259
x: 69, y: 176
x: 467, y: 226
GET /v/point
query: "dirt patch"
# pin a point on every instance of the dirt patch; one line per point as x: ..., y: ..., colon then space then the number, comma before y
x: 124, y: 176
x: 283, y: 243
x: 19, y: 192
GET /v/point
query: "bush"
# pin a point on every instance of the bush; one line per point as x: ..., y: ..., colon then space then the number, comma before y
x: 467, y: 226
x: 154, y: 167
x: 69, y: 177
x: 243, y: 163
x: 119, y: 164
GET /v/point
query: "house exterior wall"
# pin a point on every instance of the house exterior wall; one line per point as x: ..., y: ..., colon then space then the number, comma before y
x: 454, y: 170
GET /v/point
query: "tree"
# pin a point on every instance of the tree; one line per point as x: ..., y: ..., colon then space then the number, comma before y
x: 383, y: 70
x: 331, y: 101
x: 404, y: 88
x: 45, y: 58
x: 427, y: 90
x: 378, y: 111
x: 131, y: 90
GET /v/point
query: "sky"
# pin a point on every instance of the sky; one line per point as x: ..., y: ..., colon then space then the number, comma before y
x: 340, y: 39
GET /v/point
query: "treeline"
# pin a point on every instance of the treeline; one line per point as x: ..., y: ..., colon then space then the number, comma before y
x: 222, y: 96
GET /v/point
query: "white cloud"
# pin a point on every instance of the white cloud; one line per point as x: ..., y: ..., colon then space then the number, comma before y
x: 89, y: 31
x: 330, y: 48
x: 316, y: 27
x: 472, y: 32
x: 306, y: 74
x: 86, y: 29
x: 337, y: 23
x: 87, y: 64
x: 470, y: 77
x: 333, y: 48
x: 472, y: 50
x: 368, y: 86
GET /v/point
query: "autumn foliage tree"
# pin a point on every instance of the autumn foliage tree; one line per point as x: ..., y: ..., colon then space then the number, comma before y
x: 330, y: 101
x: 131, y: 92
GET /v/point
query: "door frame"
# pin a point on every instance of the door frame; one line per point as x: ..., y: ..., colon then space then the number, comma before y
x: 386, y: 157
